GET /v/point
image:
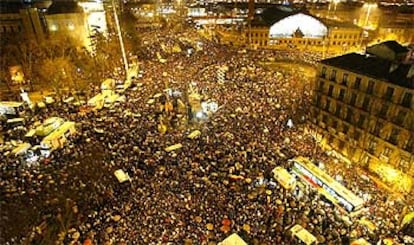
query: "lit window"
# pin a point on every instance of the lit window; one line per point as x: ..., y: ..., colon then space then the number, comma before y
x: 71, y: 26
x: 53, y: 27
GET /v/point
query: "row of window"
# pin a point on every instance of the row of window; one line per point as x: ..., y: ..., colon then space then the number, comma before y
x: 10, y: 29
x: 256, y: 34
x: 382, y: 110
x: 309, y: 42
x: 361, y: 121
x: 406, y: 100
x: 374, y: 147
x: 346, y: 36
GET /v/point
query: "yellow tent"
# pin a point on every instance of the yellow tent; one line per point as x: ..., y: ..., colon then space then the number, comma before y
x: 233, y: 239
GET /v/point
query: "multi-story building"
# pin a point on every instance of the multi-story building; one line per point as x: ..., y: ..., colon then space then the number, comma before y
x: 19, y: 18
x: 284, y: 28
x: 77, y: 20
x: 363, y: 109
x: 67, y: 19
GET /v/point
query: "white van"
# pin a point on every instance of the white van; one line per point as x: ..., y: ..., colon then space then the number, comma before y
x: 284, y: 178
x: 303, y: 235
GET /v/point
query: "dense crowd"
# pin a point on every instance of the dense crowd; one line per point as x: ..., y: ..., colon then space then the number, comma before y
x: 188, y: 196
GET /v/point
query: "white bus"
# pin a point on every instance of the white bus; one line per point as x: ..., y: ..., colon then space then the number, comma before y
x: 57, y: 139
x: 338, y: 194
x: 12, y: 108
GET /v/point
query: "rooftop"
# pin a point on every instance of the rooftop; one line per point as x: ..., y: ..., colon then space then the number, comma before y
x: 375, y: 67
x: 64, y: 7
x: 271, y: 15
x: 395, y: 46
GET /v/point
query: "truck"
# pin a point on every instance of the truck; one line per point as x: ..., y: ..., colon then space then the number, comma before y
x: 108, y: 84
x: 48, y: 126
x: 57, y: 139
x: 97, y: 102
x: 12, y: 108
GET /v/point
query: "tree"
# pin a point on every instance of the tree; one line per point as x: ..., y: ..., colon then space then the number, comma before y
x: 59, y: 73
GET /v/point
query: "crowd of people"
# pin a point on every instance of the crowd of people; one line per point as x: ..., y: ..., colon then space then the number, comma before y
x: 188, y: 196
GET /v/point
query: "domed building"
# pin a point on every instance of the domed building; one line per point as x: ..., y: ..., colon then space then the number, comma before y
x: 285, y: 28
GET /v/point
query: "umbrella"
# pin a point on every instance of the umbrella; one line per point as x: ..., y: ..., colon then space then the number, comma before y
x: 226, y: 222
x: 246, y: 227
x: 225, y: 228
x: 210, y: 226
x: 198, y: 219
x: 87, y: 242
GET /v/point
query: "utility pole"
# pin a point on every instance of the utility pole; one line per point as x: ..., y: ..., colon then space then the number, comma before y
x: 250, y: 17
x: 121, y: 42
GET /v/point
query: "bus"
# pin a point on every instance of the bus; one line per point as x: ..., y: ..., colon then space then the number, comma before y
x: 12, y: 108
x: 326, y: 185
x: 57, y: 139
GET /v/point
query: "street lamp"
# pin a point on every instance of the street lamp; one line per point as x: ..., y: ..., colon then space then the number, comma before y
x: 121, y: 42
x: 368, y: 7
x: 335, y: 2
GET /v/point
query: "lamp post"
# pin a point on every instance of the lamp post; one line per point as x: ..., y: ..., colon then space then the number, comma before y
x: 368, y: 7
x: 121, y: 42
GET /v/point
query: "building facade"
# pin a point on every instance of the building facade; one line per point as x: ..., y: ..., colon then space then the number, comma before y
x: 288, y: 29
x: 363, y: 108
x: 17, y: 18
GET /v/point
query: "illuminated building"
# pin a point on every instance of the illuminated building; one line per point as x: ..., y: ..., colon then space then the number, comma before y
x: 288, y: 29
x: 76, y: 20
x: 363, y: 108
x: 19, y: 18
x: 67, y: 19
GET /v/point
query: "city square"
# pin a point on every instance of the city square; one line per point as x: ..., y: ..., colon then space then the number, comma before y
x: 179, y: 143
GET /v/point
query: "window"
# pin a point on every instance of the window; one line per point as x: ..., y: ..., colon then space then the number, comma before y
x: 361, y: 121
x: 338, y: 110
x: 323, y: 73
x: 328, y: 105
x: 341, y: 94
x: 370, y: 87
x: 378, y: 127
x: 384, y: 110
x: 407, y: 99
x: 321, y: 84
x: 365, y: 104
x: 345, y: 79
x: 387, y: 152
x: 394, y: 136
x: 330, y: 90
x: 349, y: 116
x: 409, y: 146
x: 353, y: 99
x: 341, y: 145
x: 389, y: 93
x: 318, y: 100
x: 333, y: 75
x: 346, y: 129
x: 357, y: 135
x: 404, y: 164
x: 325, y: 118
x: 400, y: 117
x: 357, y: 83
x: 372, y: 147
